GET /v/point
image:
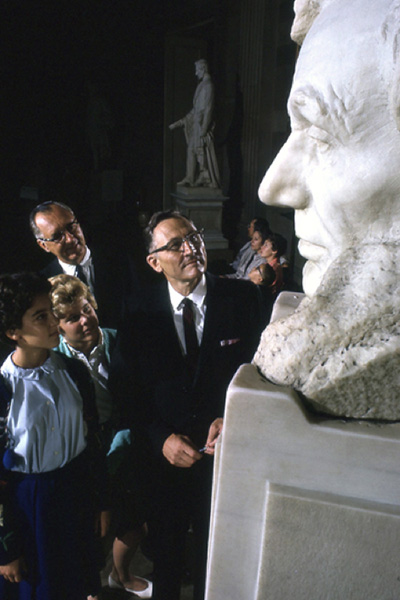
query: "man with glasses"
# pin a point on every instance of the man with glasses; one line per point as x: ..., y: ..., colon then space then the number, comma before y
x: 173, y: 362
x: 58, y: 232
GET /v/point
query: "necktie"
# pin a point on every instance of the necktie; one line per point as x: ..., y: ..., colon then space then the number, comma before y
x: 81, y: 275
x: 192, y: 344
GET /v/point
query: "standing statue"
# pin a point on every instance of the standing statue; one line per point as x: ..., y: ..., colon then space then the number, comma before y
x: 340, y: 171
x: 199, y: 132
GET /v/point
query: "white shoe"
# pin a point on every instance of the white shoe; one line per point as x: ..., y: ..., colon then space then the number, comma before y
x: 146, y: 593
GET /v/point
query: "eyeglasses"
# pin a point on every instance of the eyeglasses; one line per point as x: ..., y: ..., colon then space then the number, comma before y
x: 194, y: 239
x: 59, y: 237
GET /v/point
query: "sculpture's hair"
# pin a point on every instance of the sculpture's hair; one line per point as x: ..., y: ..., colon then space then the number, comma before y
x: 65, y: 290
x: 157, y: 218
x: 45, y: 207
x: 17, y: 294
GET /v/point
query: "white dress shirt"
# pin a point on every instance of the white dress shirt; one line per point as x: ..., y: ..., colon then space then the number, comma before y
x: 45, y: 421
x: 198, y: 297
x: 87, y: 268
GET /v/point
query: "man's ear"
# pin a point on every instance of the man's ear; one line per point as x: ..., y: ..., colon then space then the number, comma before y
x: 43, y: 245
x: 153, y: 261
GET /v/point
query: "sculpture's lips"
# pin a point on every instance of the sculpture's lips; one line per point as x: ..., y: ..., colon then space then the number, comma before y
x: 311, y: 251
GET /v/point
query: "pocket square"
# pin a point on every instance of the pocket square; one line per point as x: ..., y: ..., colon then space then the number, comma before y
x: 229, y: 342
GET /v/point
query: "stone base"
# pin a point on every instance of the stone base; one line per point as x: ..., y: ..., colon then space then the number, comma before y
x: 199, y: 192
x: 206, y: 213
x: 304, y: 507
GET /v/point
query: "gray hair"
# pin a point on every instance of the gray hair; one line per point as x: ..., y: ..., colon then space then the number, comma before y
x: 157, y: 218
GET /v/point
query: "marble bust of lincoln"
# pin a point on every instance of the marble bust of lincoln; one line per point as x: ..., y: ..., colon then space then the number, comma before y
x: 340, y: 171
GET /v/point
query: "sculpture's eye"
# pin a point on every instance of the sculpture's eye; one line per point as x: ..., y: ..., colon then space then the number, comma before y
x: 322, y: 137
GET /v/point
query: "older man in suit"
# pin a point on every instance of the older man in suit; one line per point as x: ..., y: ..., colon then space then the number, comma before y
x: 178, y: 349
x: 58, y: 232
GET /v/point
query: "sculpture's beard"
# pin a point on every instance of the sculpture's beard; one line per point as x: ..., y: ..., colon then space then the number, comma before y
x: 341, y: 347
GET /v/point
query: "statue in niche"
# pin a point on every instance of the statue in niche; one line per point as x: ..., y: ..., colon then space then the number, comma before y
x: 340, y: 171
x: 99, y: 124
x: 201, y: 162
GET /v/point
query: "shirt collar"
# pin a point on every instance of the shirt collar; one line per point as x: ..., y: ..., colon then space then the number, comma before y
x: 49, y: 366
x: 67, y: 267
x: 198, y: 295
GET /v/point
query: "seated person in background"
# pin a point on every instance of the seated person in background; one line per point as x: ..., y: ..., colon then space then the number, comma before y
x: 252, y: 259
x: 50, y: 467
x: 246, y: 251
x: 82, y: 338
x: 264, y: 276
x: 271, y: 250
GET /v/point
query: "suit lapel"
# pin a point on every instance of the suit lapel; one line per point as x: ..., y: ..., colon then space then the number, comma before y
x: 211, y: 321
x: 164, y: 326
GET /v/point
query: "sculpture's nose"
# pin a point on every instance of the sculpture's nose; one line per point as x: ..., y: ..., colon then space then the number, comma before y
x: 284, y: 182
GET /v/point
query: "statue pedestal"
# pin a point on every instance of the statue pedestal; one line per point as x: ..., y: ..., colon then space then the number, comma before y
x: 204, y: 207
x: 304, y: 507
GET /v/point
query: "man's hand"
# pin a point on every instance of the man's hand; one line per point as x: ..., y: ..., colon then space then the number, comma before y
x: 14, y: 571
x: 213, y: 434
x: 180, y: 451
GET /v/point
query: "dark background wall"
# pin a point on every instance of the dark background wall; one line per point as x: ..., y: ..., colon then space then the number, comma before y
x: 54, y: 52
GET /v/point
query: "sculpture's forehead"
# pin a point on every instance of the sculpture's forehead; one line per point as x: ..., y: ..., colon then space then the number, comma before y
x: 342, y: 55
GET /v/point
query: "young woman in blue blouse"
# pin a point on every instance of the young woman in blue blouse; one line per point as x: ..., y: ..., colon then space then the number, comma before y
x: 50, y: 475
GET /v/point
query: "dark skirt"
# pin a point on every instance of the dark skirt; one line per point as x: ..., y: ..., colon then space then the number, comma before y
x: 56, y: 515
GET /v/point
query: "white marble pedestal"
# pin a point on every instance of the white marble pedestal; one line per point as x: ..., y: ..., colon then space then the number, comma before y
x: 303, y: 508
x: 204, y: 207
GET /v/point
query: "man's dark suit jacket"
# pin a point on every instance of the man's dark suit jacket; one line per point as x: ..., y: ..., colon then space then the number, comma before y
x: 110, y: 286
x: 148, y: 371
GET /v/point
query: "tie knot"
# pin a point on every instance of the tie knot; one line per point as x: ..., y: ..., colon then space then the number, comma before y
x: 80, y: 273
x: 187, y: 303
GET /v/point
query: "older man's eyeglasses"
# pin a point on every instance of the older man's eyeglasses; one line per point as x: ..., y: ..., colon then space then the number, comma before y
x: 194, y: 239
x: 59, y: 236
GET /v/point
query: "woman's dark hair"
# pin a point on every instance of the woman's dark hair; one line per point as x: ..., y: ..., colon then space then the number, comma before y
x: 263, y: 229
x: 17, y: 294
x: 278, y: 242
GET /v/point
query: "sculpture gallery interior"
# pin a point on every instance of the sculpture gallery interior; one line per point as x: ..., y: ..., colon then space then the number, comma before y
x: 273, y: 128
